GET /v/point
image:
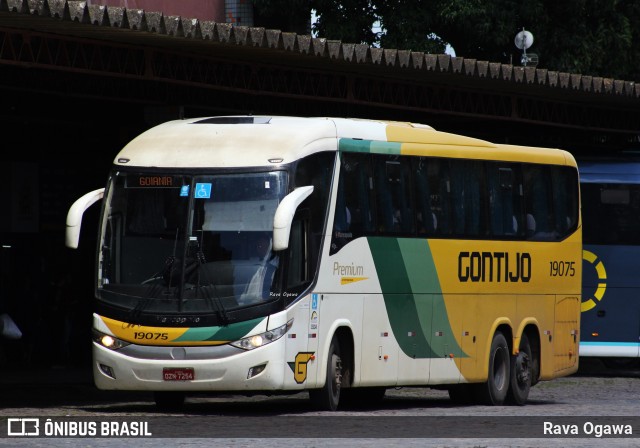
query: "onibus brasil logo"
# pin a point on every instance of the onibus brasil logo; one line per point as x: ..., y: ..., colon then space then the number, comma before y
x: 50, y: 427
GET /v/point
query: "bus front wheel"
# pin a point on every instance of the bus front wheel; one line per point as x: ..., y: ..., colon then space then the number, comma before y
x: 328, y: 397
x: 521, y: 373
x: 494, y: 391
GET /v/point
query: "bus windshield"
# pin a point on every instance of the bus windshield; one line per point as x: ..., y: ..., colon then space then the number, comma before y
x: 195, y: 244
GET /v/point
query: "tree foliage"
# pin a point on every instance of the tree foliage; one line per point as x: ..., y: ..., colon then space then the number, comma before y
x: 590, y: 37
x: 292, y: 16
x: 409, y: 25
x: 347, y: 20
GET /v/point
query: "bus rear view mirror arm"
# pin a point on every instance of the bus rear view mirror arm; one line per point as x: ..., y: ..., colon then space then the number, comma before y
x: 284, y: 216
x: 74, y: 216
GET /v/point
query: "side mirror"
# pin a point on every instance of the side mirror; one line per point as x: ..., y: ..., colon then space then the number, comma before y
x: 74, y: 216
x: 284, y: 216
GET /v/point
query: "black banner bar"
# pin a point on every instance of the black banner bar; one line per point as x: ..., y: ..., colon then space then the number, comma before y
x: 211, y: 426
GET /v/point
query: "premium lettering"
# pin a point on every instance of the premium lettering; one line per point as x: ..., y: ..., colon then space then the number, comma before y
x: 347, y: 269
x: 494, y: 267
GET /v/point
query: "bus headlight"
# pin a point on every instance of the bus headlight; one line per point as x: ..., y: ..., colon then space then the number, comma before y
x: 108, y: 341
x: 262, y: 339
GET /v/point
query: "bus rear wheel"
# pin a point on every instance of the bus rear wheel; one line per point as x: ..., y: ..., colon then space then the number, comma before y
x: 521, y: 373
x: 327, y: 398
x: 494, y: 391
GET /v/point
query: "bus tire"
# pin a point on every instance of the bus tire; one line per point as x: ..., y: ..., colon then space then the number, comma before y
x: 327, y: 398
x: 494, y: 391
x: 169, y: 401
x: 521, y: 373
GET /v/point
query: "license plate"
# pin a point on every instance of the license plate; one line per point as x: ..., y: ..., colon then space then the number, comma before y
x: 178, y: 374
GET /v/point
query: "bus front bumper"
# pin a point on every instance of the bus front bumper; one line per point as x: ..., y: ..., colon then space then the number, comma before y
x: 262, y: 369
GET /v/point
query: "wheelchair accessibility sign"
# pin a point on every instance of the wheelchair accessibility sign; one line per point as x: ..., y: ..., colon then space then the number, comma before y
x: 203, y: 191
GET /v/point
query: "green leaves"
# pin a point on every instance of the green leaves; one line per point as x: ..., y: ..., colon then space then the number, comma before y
x: 589, y: 37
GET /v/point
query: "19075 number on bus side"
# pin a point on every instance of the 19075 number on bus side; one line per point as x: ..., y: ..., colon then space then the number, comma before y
x: 562, y: 268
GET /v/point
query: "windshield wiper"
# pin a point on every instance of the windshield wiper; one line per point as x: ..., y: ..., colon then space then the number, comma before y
x: 213, y: 301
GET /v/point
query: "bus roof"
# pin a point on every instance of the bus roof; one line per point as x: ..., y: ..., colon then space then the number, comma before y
x: 611, y: 170
x: 240, y: 141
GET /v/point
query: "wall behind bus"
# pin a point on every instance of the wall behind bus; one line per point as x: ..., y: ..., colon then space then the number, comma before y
x: 55, y: 152
x: 199, y: 9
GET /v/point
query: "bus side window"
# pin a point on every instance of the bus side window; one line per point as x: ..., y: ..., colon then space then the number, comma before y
x: 361, y: 197
x: 297, y: 272
x: 342, y: 218
x: 395, y: 214
x: 517, y: 197
x: 610, y: 213
x: 566, y: 213
x: 358, y: 189
x: 538, y: 203
x: 440, y: 188
x: 477, y: 221
x: 403, y: 198
x: 425, y: 217
x: 353, y: 216
x: 384, y: 204
x: 498, y: 181
x: 315, y: 170
x: 504, y: 198
x: 467, y: 183
x: 353, y: 204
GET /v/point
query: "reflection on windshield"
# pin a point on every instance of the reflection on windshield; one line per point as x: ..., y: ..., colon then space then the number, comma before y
x: 167, y: 250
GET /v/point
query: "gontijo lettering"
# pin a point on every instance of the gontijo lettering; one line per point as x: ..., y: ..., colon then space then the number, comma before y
x: 494, y: 267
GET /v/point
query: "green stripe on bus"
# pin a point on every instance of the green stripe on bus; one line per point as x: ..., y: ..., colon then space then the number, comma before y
x: 369, y: 146
x: 413, y: 298
x: 422, y: 274
x: 418, y: 262
x: 231, y: 332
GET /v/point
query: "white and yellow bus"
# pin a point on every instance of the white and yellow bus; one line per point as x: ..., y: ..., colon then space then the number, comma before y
x: 255, y: 254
